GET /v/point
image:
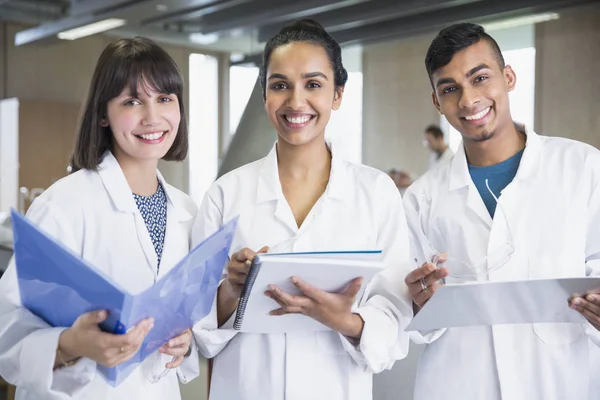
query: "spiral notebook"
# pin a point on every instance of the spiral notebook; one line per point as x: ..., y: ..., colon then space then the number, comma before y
x: 328, y: 271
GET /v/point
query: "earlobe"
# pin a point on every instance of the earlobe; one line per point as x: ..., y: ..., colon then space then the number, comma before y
x: 337, y: 98
x: 511, y: 78
x: 436, y: 103
x: 103, y: 123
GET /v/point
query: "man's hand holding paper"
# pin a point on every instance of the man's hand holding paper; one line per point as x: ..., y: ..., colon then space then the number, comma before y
x: 425, y: 280
x: 589, y: 307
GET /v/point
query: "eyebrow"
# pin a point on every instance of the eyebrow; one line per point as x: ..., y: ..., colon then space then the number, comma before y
x: 443, y: 81
x: 469, y: 74
x: 478, y: 68
x: 304, y: 76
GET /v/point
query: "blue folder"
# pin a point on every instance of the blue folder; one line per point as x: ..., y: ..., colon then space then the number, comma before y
x: 57, y: 285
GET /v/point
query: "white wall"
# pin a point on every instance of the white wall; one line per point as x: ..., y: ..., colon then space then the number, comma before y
x: 9, y: 155
x: 396, y: 104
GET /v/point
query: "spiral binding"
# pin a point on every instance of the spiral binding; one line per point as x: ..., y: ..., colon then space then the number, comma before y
x: 241, y: 308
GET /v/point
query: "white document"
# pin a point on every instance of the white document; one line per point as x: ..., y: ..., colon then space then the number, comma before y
x: 330, y: 272
x: 495, y: 303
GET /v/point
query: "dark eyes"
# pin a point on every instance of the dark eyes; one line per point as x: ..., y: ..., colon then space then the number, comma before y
x: 279, y: 86
x: 451, y: 89
x: 283, y: 86
x: 135, y: 102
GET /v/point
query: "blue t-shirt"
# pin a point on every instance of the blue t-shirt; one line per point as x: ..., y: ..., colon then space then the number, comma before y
x: 498, y: 176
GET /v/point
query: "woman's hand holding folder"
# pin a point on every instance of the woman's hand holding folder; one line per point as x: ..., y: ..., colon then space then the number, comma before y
x: 231, y: 288
x: 331, y: 309
x: 85, y: 339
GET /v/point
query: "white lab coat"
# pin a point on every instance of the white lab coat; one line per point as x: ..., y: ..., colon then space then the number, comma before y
x: 95, y: 215
x: 360, y: 209
x: 553, y: 212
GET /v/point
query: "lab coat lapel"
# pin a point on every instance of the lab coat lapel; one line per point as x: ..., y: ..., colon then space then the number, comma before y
x: 177, y: 242
x: 269, y: 189
x: 460, y: 178
x: 121, y: 196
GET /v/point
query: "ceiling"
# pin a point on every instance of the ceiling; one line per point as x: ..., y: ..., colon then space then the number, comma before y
x: 242, y: 26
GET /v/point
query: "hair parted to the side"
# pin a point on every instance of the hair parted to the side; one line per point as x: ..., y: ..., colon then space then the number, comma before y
x: 453, y: 39
x: 435, y: 131
x: 126, y: 63
x: 309, y: 31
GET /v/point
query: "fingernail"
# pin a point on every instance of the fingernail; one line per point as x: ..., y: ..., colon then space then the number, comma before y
x: 100, y: 314
x: 267, y: 294
x: 591, y: 298
x: 271, y: 288
x: 577, y: 301
x: 172, y: 343
x: 294, y: 280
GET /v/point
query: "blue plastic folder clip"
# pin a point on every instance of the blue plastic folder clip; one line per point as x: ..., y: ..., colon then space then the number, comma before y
x: 57, y: 285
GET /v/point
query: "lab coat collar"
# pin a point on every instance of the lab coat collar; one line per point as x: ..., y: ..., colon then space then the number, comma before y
x: 118, y: 189
x: 459, y: 170
x: 269, y: 186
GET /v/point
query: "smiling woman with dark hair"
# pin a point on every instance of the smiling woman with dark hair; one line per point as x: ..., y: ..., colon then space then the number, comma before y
x: 119, y: 214
x: 303, y: 197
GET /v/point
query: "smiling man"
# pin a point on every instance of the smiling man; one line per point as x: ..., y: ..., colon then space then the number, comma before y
x: 511, y: 205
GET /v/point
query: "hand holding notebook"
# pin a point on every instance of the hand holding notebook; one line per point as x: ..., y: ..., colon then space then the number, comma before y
x: 333, y: 310
x: 330, y: 272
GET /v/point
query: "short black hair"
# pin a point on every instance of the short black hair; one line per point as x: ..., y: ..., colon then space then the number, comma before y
x: 309, y: 31
x: 124, y: 63
x: 453, y: 39
x: 435, y: 131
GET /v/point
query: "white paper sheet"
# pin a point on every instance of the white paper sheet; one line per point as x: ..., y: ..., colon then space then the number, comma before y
x: 494, y: 303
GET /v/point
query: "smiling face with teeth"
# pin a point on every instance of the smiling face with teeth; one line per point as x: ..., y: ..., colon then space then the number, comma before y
x: 472, y: 92
x: 144, y: 124
x: 300, y: 92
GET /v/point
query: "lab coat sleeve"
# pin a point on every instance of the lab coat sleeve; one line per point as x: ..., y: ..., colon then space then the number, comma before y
x: 592, y: 249
x: 385, y: 306
x: 210, y: 338
x: 415, y: 233
x: 189, y: 369
x: 27, y: 343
